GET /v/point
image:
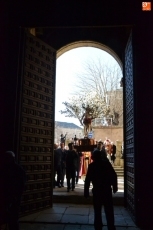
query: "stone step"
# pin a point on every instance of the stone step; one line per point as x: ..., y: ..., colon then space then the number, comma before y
x: 119, y: 171
x: 120, y: 174
x: 117, y: 168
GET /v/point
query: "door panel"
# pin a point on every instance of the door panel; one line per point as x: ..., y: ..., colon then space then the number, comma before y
x: 129, y: 129
x: 36, y: 123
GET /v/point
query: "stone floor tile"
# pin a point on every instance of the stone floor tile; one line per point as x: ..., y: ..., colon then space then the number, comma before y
x: 124, y: 211
x: 122, y: 228
x: 126, y: 228
x: 120, y: 220
x: 129, y: 221
x: 54, y: 210
x: 61, y: 205
x: 78, y: 205
x: 77, y: 210
x: 54, y: 227
x: 87, y: 227
x: 34, y: 226
x: 134, y: 228
x: 117, y: 211
x: 91, y: 219
x: 105, y: 228
x: 91, y: 210
x: 72, y: 227
x: 27, y: 226
x: 49, y: 218
x: 78, y: 219
x: 30, y: 217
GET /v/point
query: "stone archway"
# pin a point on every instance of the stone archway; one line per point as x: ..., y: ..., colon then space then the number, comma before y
x: 94, y: 44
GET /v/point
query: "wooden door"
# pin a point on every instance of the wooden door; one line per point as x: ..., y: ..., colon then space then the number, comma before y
x: 129, y: 148
x: 35, y: 120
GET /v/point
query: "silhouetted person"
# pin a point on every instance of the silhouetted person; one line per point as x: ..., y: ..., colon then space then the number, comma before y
x: 113, y: 152
x: 78, y: 166
x: 57, y: 167
x: 104, y: 179
x: 13, y: 185
x: 71, y: 166
x: 101, y: 148
x: 61, y: 158
x: 63, y: 138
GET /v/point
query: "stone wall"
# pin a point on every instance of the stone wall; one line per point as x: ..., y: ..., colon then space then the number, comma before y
x: 111, y: 132
x: 115, y: 134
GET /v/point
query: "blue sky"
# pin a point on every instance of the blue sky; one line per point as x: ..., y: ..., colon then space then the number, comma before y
x: 68, y: 65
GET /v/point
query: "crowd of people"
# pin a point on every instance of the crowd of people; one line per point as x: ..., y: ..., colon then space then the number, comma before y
x: 66, y: 163
x: 72, y: 164
x: 100, y: 173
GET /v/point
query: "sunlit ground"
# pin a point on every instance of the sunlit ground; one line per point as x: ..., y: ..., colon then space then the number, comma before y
x: 80, y: 186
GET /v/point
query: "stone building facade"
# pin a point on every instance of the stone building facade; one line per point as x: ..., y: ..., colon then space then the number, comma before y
x: 114, y: 133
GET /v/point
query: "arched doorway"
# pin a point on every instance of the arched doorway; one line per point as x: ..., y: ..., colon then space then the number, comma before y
x: 95, y: 54
x: 35, y: 126
x: 94, y: 44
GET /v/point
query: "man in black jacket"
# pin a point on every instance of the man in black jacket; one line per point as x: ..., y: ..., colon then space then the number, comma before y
x: 104, y: 178
x: 71, y: 166
x: 101, y: 148
x: 60, y: 155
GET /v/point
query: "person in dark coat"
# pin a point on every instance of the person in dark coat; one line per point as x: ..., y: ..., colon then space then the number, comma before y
x: 78, y: 166
x: 13, y: 185
x: 104, y: 179
x: 101, y: 148
x: 57, y: 167
x: 60, y: 154
x: 113, y: 152
x: 72, y: 159
x: 63, y: 138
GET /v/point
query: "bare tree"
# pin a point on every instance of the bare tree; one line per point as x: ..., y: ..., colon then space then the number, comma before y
x: 98, y: 87
x: 104, y: 80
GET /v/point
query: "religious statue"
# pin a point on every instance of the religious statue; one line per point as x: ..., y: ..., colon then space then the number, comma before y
x: 86, y: 120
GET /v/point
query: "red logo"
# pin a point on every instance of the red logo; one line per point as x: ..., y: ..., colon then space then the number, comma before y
x: 146, y: 6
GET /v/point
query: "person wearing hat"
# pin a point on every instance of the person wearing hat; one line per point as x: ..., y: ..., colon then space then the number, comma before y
x: 104, y: 180
x: 14, y: 178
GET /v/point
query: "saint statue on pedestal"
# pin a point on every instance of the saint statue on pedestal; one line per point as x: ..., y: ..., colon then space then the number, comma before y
x: 86, y: 120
